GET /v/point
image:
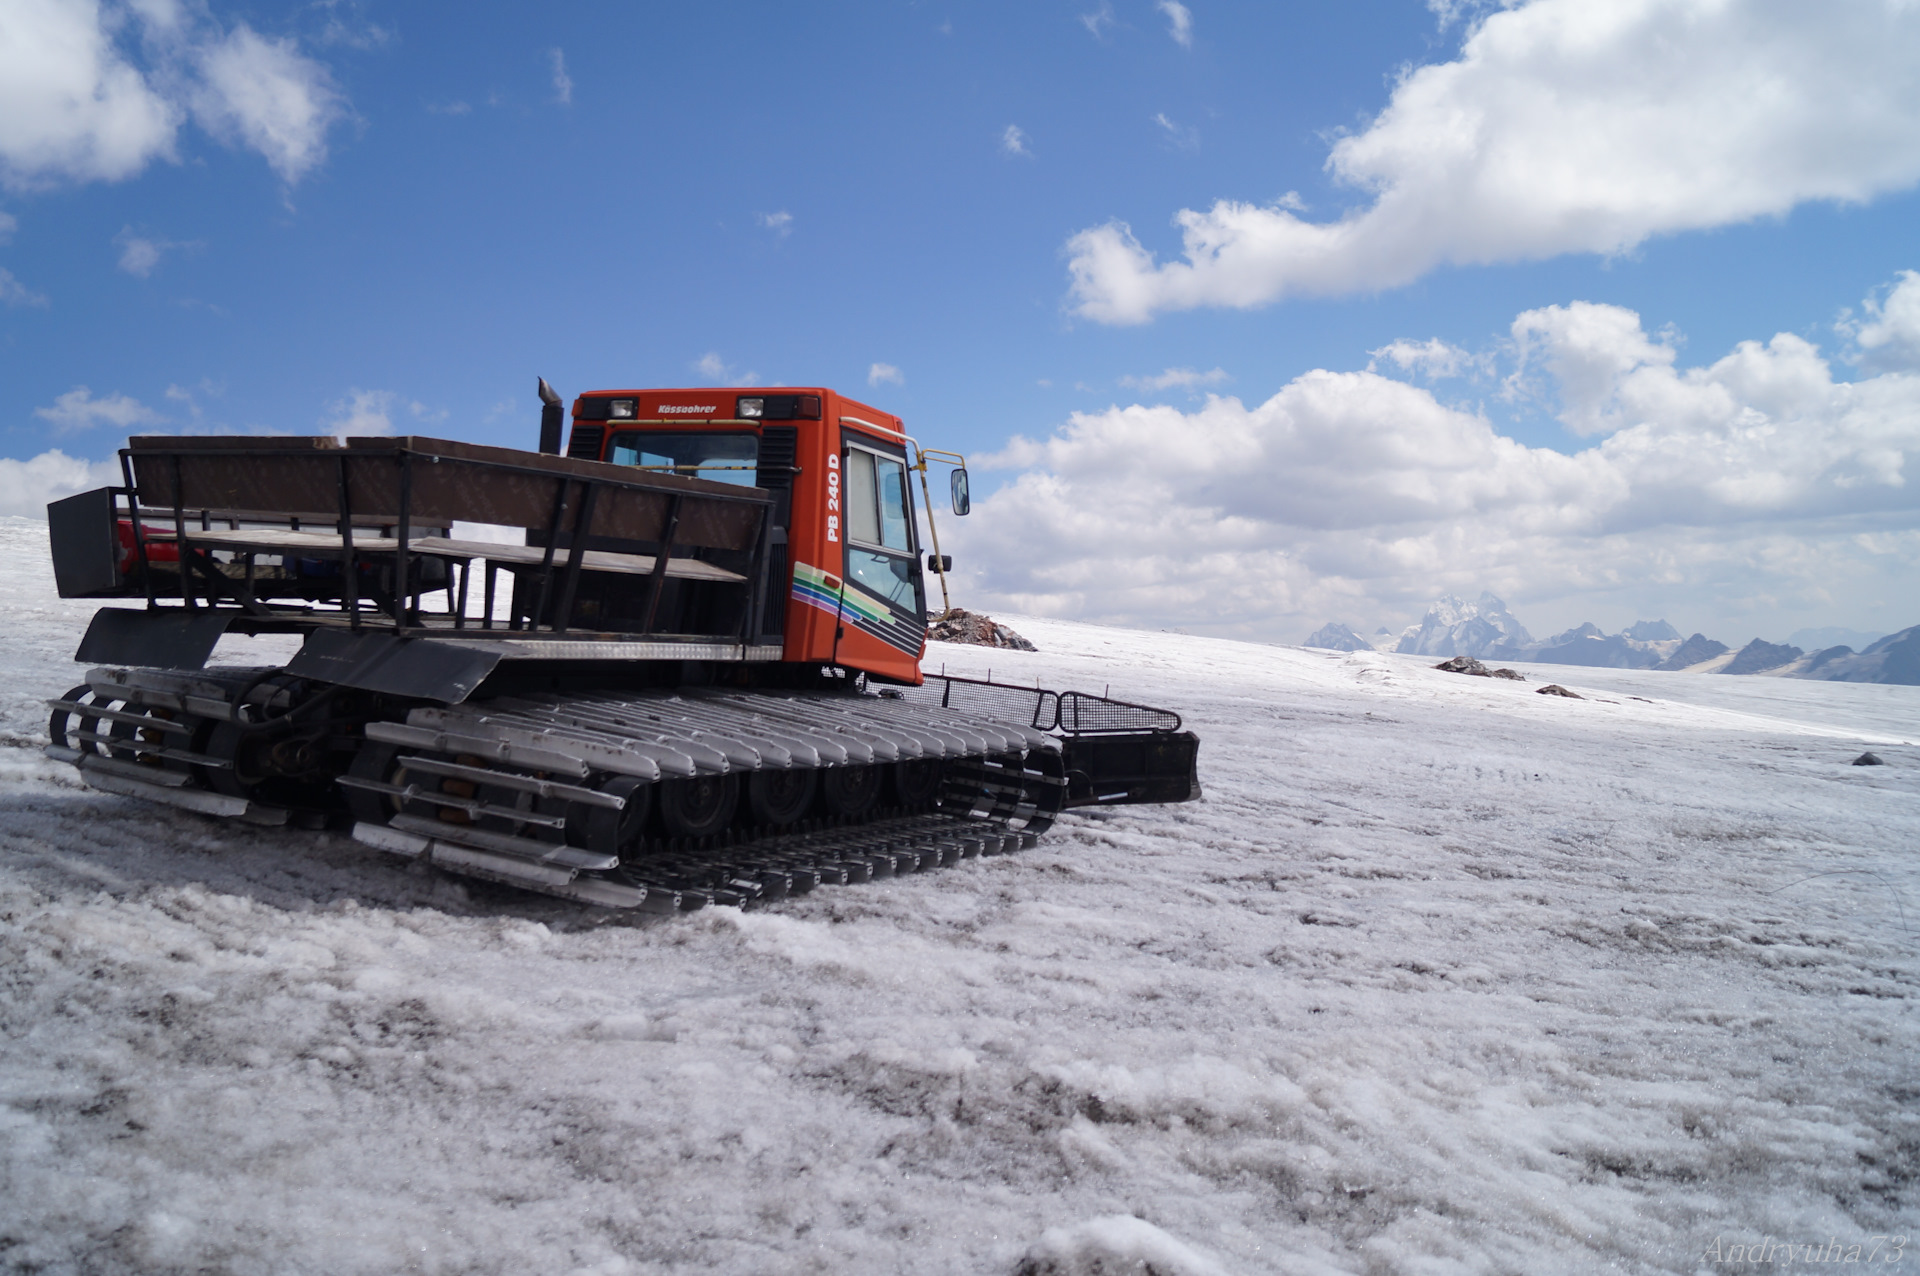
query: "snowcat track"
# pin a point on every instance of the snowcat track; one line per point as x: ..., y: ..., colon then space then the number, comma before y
x: 508, y: 789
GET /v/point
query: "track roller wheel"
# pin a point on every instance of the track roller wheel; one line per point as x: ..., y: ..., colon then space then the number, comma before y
x: 698, y: 807
x: 375, y: 762
x: 916, y: 783
x: 849, y: 791
x: 779, y: 797
x: 64, y: 722
x: 605, y: 830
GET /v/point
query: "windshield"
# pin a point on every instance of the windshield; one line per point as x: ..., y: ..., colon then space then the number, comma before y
x: 721, y: 458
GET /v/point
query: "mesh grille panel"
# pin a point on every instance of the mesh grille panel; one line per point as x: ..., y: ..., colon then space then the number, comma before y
x: 1082, y: 714
x: 586, y: 441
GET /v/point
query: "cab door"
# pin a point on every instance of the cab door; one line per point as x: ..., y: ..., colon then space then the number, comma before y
x: 885, y: 591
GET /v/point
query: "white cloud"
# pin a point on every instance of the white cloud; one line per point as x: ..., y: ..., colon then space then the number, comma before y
x: 780, y: 223
x: 1179, y: 21
x: 1757, y: 477
x: 137, y: 256
x: 77, y: 409
x: 1100, y: 21
x: 562, y: 82
x: 718, y: 371
x: 1890, y: 338
x: 1185, y: 138
x: 1182, y: 378
x: 1563, y: 127
x: 1014, y: 141
x: 8, y: 224
x: 15, y: 293
x: 26, y: 487
x: 372, y: 412
x: 75, y: 107
x: 140, y: 254
x: 884, y: 374
x: 455, y: 107
x: 1432, y: 358
x: 1593, y: 353
x: 275, y: 101
x: 70, y: 105
x: 361, y: 412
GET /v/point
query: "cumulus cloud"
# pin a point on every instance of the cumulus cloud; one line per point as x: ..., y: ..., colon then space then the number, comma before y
x: 1758, y: 476
x: 15, y: 293
x: 1100, y: 21
x: 562, y: 82
x: 1890, y: 336
x: 884, y: 374
x: 1433, y: 358
x: 265, y: 95
x: 1179, y: 21
x: 372, y: 412
x: 1562, y: 127
x: 75, y: 107
x: 139, y: 254
x: 27, y: 486
x: 77, y: 409
x: 780, y: 223
x: 1181, y: 378
x: 717, y: 371
x: 1014, y: 141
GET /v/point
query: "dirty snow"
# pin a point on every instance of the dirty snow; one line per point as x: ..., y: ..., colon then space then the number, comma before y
x: 1442, y: 976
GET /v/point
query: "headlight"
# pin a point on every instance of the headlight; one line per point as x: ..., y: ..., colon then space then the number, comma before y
x: 747, y: 409
x: 620, y: 410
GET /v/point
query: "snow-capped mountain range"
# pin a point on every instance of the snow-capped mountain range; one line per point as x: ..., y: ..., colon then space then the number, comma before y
x: 1486, y: 630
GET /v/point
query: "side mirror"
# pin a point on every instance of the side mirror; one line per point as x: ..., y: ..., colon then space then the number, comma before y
x: 961, y: 502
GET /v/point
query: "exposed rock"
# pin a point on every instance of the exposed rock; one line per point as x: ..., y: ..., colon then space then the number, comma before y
x: 1695, y: 650
x: 1514, y: 674
x: 1555, y: 689
x: 1758, y: 657
x: 1869, y: 759
x: 1465, y: 664
x: 1334, y: 636
x: 960, y: 625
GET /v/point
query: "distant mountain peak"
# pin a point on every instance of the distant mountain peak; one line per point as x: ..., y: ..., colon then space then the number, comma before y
x: 1651, y: 631
x: 1758, y: 657
x: 1455, y: 627
x: 1334, y: 636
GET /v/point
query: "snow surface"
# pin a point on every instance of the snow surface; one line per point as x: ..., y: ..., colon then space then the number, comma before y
x: 1442, y: 976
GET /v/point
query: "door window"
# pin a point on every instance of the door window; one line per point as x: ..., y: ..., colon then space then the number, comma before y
x: 879, y: 528
x: 877, y: 500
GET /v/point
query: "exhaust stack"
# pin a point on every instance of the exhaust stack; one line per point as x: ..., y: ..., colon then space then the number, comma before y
x: 551, y: 419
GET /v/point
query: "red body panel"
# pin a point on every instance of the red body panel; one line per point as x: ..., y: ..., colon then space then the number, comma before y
x: 823, y: 613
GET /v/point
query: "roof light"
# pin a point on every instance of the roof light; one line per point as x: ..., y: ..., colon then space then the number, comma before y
x: 777, y: 407
x: 621, y: 410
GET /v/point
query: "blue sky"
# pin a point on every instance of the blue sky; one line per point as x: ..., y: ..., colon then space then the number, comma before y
x: 381, y: 216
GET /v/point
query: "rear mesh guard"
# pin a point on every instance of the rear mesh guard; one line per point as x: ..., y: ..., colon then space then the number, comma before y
x: 1116, y: 753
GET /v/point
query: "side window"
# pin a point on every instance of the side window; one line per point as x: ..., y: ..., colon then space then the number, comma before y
x: 863, y: 510
x: 892, y: 478
x: 876, y: 498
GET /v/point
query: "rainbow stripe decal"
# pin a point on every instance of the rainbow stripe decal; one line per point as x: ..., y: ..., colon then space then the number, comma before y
x: 816, y: 588
x: 855, y: 607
